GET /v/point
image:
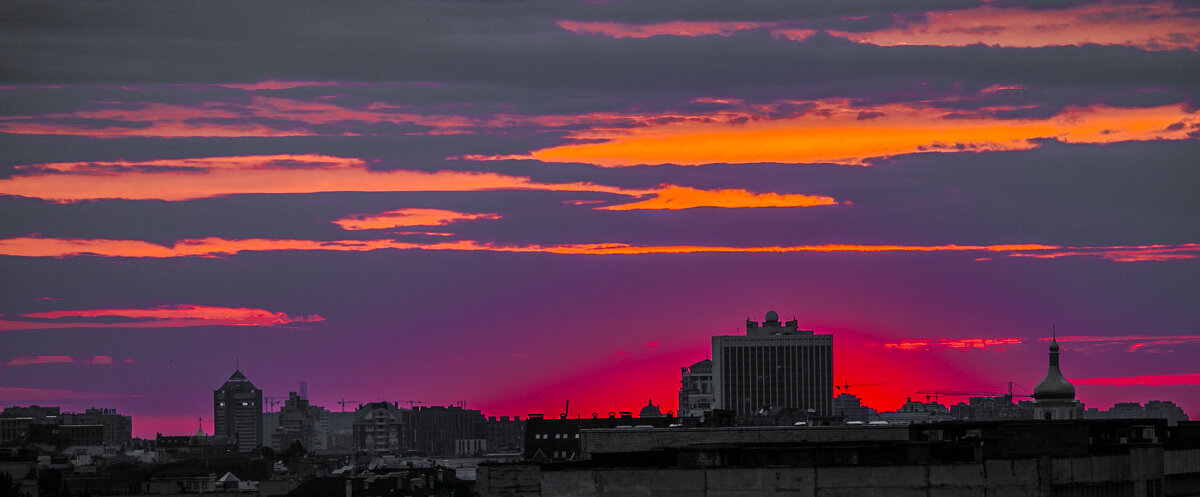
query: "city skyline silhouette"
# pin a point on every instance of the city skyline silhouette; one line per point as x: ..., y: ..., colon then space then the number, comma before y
x: 524, y: 204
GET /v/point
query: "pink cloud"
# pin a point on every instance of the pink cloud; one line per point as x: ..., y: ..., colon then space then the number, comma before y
x: 1128, y: 253
x: 955, y: 343
x: 41, y: 359
x: 21, y: 394
x: 163, y: 316
x: 1132, y: 343
x: 1151, y: 380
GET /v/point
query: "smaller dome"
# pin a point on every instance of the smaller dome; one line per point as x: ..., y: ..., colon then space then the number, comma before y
x: 772, y: 316
x: 650, y: 411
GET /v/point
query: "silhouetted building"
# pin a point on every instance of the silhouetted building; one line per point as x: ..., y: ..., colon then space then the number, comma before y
x: 1015, y: 457
x: 650, y: 410
x: 505, y: 435
x: 117, y: 428
x: 270, y: 424
x: 1155, y: 409
x: 379, y: 428
x: 198, y: 446
x: 300, y: 422
x: 695, y: 389
x: 15, y: 421
x: 773, y: 366
x: 557, y: 439
x: 434, y: 430
x: 341, y: 431
x: 991, y: 409
x: 91, y: 427
x: 850, y: 408
x: 237, y: 412
x: 1054, y: 396
x: 916, y: 412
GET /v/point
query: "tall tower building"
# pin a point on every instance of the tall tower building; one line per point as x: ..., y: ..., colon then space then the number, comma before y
x: 1054, y: 397
x: 237, y: 412
x: 774, y: 365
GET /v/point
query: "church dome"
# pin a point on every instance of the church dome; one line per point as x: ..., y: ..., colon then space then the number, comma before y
x: 1054, y: 386
x: 650, y: 411
x: 772, y: 316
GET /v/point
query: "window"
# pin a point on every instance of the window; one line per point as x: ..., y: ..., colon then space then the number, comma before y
x: 222, y: 404
x: 576, y: 435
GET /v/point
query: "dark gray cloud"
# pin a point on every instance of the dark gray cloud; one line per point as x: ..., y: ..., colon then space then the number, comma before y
x: 511, y: 45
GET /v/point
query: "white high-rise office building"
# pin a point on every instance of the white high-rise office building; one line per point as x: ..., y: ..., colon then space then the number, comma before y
x: 774, y: 365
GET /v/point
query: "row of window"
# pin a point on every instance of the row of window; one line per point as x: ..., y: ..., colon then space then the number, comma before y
x: 222, y: 404
x: 557, y: 436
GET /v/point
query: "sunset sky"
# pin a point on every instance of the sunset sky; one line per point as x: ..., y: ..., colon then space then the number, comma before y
x: 516, y: 204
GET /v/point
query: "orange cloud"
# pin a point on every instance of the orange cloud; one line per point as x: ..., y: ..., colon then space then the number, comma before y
x: 408, y: 217
x: 216, y: 247
x: 1155, y: 26
x: 1150, y: 380
x: 213, y: 247
x: 679, y: 197
x: 186, y: 179
x: 833, y: 132
x: 163, y: 316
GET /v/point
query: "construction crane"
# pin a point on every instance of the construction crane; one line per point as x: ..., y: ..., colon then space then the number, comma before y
x: 972, y: 393
x: 846, y: 385
x: 411, y: 402
x: 272, y: 402
x: 343, y: 402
